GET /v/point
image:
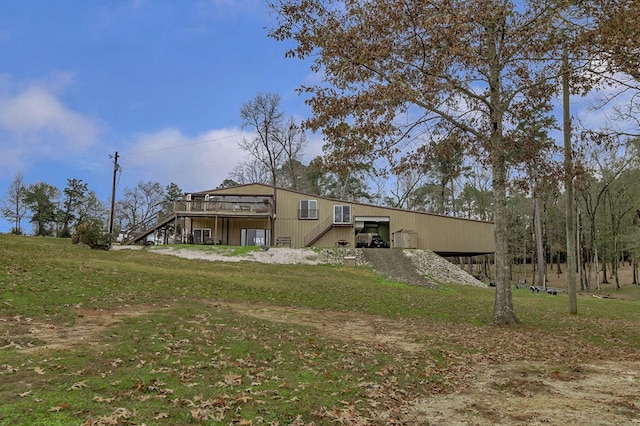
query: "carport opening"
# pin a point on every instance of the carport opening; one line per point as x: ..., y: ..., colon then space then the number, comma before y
x: 372, y: 231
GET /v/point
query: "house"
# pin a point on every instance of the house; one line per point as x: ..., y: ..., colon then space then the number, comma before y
x: 264, y: 215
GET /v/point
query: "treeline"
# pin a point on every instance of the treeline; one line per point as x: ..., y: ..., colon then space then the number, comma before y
x: 606, y: 198
x: 56, y: 212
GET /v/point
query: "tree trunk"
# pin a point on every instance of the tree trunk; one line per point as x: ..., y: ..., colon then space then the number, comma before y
x: 570, y: 209
x: 453, y: 199
x: 597, y: 266
x: 503, y: 309
x: 539, y: 243
x: 614, y: 266
x: 503, y: 312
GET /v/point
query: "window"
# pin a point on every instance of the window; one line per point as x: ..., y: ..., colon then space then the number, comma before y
x: 201, y: 235
x: 341, y: 214
x: 255, y: 237
x: 308, y: 209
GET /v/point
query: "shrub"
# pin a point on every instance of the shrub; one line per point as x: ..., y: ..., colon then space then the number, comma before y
x: 91, y: 234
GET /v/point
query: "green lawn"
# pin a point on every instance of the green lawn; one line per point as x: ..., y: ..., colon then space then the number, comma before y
x: 178, y: 343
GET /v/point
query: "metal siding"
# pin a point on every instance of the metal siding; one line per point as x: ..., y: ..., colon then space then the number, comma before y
x: 230, y: 236
x: 287, y: 222
x: 433, y: 232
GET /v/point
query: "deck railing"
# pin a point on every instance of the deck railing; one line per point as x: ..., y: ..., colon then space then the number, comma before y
x: 318, y: 231
x: 223, y: 207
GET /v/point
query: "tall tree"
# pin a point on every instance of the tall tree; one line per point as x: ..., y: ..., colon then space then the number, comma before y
x: 263, y: 117
x: 621, y: 199
x: 570, y: 230
x: 172, y: 193
x: 606, y: 166
x: 42, y: 200
x: 474, y: 65
x: 476, y: 197
x: 615, y: 41
x: 74, y: 195
x: 140, y: 205
x: 403, y: 191
x: 447, y: 164
x: 14, y: 207
x: 617, y: 35
x: 250, y: 171
x: 227, y: 183
x: 92, y: 209
x: 293, y: 141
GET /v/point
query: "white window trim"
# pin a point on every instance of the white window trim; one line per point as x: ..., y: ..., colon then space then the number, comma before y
x: 342, y: 208
x: 312, y: 212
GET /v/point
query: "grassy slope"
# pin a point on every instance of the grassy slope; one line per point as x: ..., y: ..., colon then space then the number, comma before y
x: 185, y: 362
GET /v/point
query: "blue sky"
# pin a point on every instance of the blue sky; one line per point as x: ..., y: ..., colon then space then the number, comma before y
x: 160, y: 81
x: 81, y: 79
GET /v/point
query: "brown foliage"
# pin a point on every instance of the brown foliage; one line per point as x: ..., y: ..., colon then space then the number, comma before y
x: 395, y: 71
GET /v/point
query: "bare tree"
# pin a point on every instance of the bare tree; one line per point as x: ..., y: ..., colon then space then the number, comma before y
x: 91, y: 208
x: 140, y: 205
x: 14, y: 207
x: 404, y: 189
x: 262, y: 116
x: 250, y: 171
x: 294, y: 141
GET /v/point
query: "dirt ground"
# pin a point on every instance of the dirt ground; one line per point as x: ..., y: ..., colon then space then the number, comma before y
x: 489, y: 392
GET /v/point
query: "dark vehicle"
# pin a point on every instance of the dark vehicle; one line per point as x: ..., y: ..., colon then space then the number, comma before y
x: 377, y: 242
x: 370, y: 240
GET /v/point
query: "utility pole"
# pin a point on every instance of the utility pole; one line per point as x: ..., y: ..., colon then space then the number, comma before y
x: 113, y: 193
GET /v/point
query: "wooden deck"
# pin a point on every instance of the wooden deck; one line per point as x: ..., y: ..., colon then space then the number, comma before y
x: 223, y: 208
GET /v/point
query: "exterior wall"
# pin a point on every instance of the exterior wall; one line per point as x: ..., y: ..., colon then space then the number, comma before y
x: 229, y: 228
x: 441, y: 234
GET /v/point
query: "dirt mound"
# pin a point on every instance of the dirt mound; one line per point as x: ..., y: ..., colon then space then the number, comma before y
x: 416, y: 267
x: 394, y: 265
x: 440, y: 269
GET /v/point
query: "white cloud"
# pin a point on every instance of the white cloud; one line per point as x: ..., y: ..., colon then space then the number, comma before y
x: 314, y: 148
x: 195, y: 164
x: 35, y: 124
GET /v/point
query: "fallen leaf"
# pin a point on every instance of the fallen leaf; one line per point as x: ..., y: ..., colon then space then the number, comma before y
x: 101, y: 399
x: 233, y: 379
x: 58, y: 407
x: 78, y: 385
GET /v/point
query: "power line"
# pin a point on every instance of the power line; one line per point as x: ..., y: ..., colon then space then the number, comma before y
x: 188, y: 144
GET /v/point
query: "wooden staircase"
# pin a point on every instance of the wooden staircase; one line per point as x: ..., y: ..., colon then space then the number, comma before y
x: 137, y: 236
x: 316, y: 233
